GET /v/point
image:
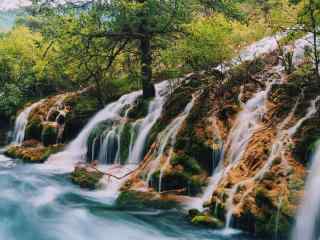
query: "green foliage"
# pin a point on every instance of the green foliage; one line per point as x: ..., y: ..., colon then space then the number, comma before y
x: 10, y: 100
x: 207, y: 43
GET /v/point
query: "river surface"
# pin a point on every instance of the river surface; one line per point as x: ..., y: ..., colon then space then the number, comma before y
x: 38, y: 203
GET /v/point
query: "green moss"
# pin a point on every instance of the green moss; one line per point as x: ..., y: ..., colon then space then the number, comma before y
x: 135, y: 200
x: 34, y: 128
x: 140, y: 109
x: 190, y: 164
x: 32, y: 154
x: 174, y: 180
x: 125, y: 142
x: 49, y: 135
x: 207, y: 221
x: 200, y: 151
x: 83, y: 107
x: 86, y: 179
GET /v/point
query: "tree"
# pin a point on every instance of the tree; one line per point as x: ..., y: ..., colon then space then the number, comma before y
x: 308, y: 21
x: 139, y: 26
x: 309, y: 18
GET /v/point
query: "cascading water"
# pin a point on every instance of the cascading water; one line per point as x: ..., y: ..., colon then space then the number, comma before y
x: 155, y: 109
x: 308, y: 213
x: 22, y: 122
x: 76, y: 151
x: 106, y: 146
x: 168, y: 138
x: 247, y: 122
x: 277, y: 150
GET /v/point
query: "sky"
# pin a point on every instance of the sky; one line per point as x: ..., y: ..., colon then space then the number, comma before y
x: 11, y: 4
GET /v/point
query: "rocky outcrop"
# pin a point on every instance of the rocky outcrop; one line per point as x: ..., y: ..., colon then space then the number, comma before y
x: 86, y: 177
x: 32, y: 152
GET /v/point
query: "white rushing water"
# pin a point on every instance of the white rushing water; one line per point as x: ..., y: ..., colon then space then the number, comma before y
x: 154, y: 113
x: 109, y: 141
x: 248, y: 120
x: 246, y: 123
x: 22, y: 122
x: 76, y: 151
x: 167, y: 138
x: 308, y: 213
x: 278, y: 149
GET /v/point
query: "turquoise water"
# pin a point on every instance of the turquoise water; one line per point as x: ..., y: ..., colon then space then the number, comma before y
x: 38, y: 204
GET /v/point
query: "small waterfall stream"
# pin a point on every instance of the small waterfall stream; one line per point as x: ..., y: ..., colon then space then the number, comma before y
x: 168, y: 138
x: 22, y: 122
x: 308, y: 213
x: 278, y: 148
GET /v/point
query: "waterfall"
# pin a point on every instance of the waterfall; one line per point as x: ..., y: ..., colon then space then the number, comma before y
x: 155, y: 109
x: 278, y: 148
x: 106, y: 147
x: 76, y: 151
x: 257, y: 49
x: 246, y: 123
x: 168, y: 137
x: 308, y: 213
x: 22, y: 122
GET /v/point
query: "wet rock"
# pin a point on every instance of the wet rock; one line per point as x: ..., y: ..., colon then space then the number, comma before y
x: 137, y: 200
x: 86, y: 177
x: 32, y: 154
x: 49, y: 134
x: 207, y: 221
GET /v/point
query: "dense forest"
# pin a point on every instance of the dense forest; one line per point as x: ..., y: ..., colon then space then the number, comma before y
x: 160, y: 119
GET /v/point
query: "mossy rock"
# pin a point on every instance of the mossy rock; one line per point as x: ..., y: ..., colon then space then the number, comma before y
x: 196, y: 149
x: 125, y: 140
x: 189, y: 164
x: 32, y: 154
x: 140, y: 109
x: 34, y: 128
x: 82, y: 107
x: 175, y: 180
x: 86, y: 179
x: 240, y: 74
x: 136, y: 200
x: 175, y: 105
x: 207, y: 221
x: 269, y: 220
x: 49, y: 135
x: 307, y: 140
x: 193, y: 213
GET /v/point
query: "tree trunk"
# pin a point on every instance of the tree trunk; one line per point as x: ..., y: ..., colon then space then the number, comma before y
x: 146, y: 67
x: 97, y: 78
x: 315, y: 42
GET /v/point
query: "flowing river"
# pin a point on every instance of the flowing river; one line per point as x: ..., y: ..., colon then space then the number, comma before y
x: 37, y: 203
